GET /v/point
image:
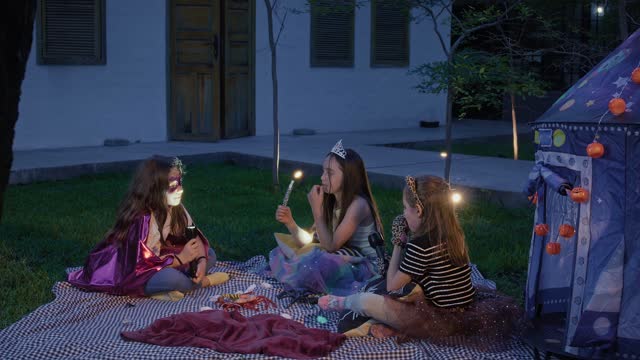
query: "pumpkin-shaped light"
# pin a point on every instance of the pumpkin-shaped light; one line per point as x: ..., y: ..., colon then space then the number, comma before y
x: 617, y: 106
x: 566, y: 231
x: 635, y: 75
x: 553, y: 248
x: 595, y: 150
x: 579, y: 195
x: 541, y: 229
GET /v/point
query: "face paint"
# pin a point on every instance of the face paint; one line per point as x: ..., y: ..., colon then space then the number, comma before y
x: 174, y: 192
x: 174, y: 183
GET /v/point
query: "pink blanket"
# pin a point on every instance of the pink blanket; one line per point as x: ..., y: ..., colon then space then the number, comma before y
x: 231, y: 332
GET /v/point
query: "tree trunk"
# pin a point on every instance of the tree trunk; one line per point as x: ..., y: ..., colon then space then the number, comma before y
x: 274, y: 81
x: 449, y: 124
x: 515, y: 126
x: 622, y: 20
x: 16, y: 36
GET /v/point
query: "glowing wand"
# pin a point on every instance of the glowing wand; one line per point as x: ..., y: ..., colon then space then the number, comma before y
x: 296, y: 175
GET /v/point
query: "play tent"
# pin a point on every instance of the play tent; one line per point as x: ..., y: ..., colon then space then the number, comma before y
x: 590, y: 277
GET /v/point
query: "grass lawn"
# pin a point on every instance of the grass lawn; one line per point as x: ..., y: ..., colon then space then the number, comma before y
x: 498, y: 146
x: 50, y: 226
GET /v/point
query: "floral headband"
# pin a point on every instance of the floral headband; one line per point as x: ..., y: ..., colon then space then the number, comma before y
x: 177, y: 163
x: 411, y: 183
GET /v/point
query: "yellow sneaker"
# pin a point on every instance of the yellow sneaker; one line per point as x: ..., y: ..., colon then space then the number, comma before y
x: 362, y: 330
x: 168, y: 296
x: 217, y: 278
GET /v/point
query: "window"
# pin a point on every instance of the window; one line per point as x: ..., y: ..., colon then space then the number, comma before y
x: 332, y: 29
x: 71, y: 32
x: 390, y: 33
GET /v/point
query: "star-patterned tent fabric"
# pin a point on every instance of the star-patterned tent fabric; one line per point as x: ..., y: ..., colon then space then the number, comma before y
x: 595, y: 279
x: 587, y: 100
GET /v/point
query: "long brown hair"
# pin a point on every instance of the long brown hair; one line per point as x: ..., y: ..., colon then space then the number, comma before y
x: 146, y: 195
x: 354, y: 182
x: 439, y: 220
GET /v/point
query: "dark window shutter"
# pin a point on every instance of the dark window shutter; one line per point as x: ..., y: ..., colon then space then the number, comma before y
x: 390, y: 33
x: 332, y: 30
x: 71, y: 32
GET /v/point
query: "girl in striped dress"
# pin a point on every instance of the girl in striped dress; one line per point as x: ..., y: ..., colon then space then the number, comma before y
x: 429, y: 293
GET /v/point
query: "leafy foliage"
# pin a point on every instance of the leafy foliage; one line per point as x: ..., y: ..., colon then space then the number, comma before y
x: 478, y: 79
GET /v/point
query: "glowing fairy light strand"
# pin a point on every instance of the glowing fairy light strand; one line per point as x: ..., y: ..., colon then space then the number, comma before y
x: 596, y: 136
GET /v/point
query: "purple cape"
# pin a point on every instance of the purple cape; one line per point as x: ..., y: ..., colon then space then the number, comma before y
x: 123, y: 268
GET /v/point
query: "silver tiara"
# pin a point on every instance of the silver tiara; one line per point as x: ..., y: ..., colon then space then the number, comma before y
x: 339, y: 150
x: 177, y: 163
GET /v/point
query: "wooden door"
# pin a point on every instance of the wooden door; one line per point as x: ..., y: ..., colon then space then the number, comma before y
x: 238, y: 63
x: 195, y: 46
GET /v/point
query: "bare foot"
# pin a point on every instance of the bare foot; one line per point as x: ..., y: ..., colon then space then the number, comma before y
x: 382, y: 331
x: 331, y: 303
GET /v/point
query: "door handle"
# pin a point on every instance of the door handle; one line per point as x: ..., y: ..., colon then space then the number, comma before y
x: 216, y: 45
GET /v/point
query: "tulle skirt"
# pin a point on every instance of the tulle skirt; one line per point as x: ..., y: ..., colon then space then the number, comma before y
x: 321, y: 272
x: 486, y: 323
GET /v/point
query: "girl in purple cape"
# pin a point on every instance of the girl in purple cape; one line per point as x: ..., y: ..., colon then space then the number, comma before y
x: 345, y: 215
x: 153, y: 249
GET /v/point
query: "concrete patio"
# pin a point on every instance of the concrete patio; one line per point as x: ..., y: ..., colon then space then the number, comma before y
x: 495, y: 178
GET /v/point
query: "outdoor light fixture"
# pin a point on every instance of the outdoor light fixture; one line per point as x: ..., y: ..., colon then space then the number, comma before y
x: 456, y: 198
x: 600, y: 10
x: 443, y: 155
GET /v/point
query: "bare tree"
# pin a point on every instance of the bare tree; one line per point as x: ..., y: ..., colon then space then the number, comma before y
x: 16, y: 36
x: 462, y: 28
x: 623, y: 25
x: 280, y: 12
x: 273, y: 10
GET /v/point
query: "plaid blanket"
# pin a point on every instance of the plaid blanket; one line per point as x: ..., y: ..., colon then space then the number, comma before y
x: 80, y: 324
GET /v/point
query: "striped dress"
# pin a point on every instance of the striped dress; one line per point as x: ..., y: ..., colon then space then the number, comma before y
x: 452, y: 310
x: 444, y: 285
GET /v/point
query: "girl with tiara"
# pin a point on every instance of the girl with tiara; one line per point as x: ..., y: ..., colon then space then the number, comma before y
x: 429, y: 293
x: 153, y: 249
x: 339, y: 258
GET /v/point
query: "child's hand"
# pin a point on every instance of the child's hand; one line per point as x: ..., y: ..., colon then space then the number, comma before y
x: 190, y: 250
x: 315, y: 199
x: 201, y: 271
x: 283, y: 215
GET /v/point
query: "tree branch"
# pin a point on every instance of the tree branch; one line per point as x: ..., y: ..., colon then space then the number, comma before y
x: 284, y: 19
x: 435, y: 26
x: 498, y: 20
x: 448, y: 7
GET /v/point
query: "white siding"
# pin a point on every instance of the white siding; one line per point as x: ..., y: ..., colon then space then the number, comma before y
x: 65, y: 106
x: 341, y: 99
